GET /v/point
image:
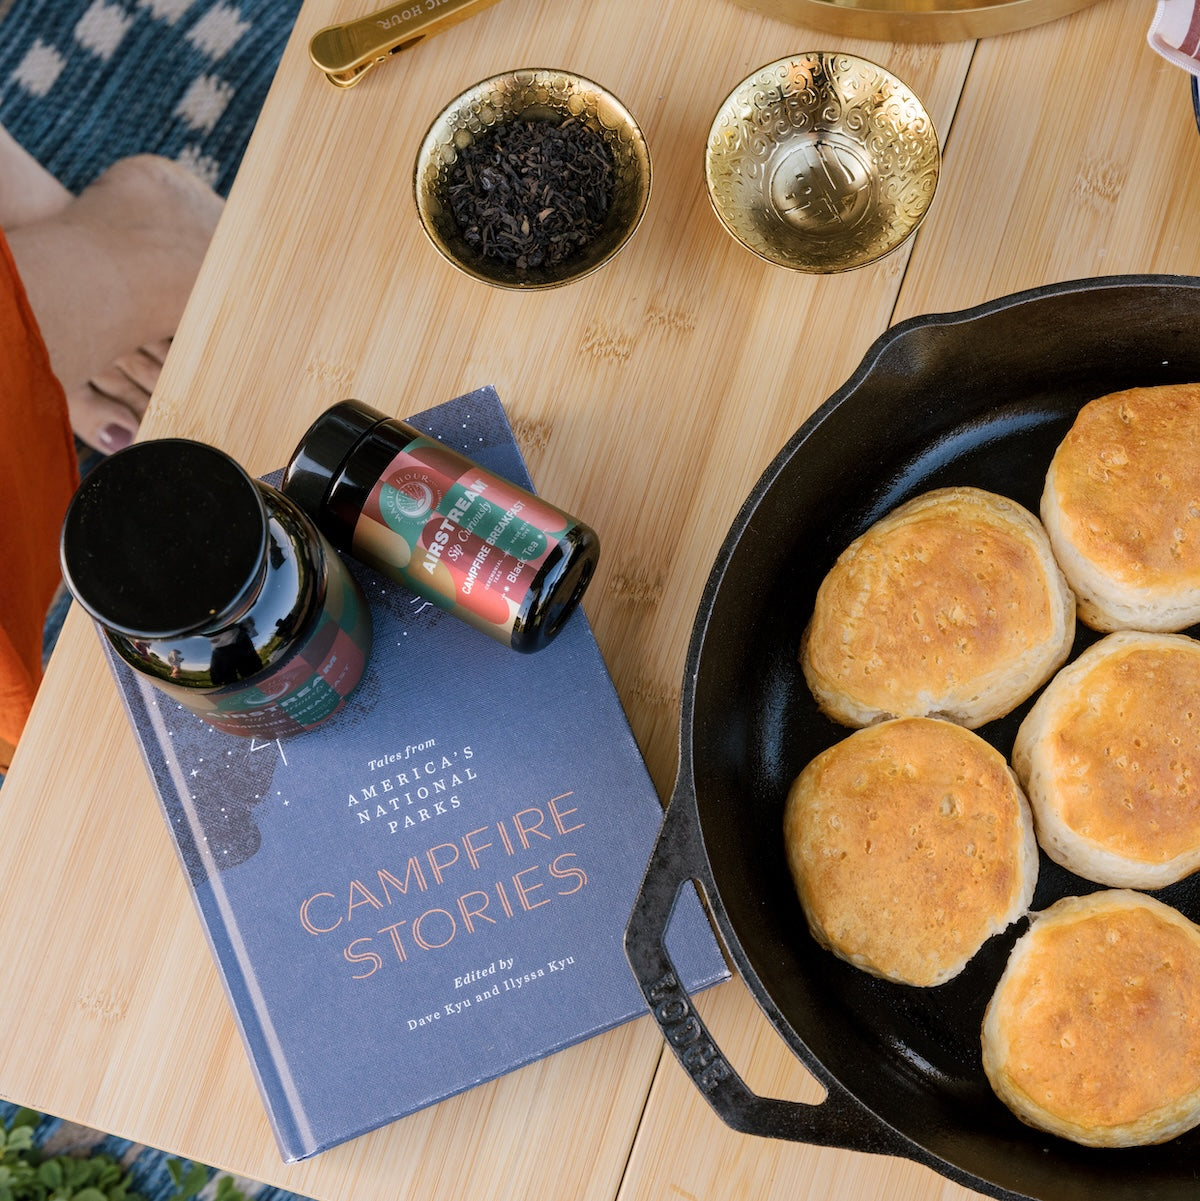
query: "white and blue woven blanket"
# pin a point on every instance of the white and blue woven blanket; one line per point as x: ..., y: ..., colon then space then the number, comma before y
x: 86, y: 82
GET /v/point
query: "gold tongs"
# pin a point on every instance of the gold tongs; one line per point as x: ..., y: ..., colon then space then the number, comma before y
x: 345, y: 53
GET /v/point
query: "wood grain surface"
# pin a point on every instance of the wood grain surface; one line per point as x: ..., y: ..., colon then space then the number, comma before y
x: 647, y: 398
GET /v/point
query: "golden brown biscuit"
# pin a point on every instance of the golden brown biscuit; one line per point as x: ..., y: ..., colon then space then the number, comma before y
x: 951, y: 606
x: 1109, y: 757
x: 910, y: 845
x: 1093, y: 1032
x: 1121, y: 505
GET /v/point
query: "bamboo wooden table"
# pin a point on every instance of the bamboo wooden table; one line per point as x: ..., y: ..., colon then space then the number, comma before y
x: 647, y: 398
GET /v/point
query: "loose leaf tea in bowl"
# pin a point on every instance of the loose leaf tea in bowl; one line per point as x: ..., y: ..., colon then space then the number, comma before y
x: 532, y: 193
x: 531, y: 179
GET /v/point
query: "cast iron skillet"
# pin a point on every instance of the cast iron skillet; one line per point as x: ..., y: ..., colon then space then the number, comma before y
x: 980, y: 397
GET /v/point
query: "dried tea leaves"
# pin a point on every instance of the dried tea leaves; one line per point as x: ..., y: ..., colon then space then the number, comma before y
x: 532, y: 193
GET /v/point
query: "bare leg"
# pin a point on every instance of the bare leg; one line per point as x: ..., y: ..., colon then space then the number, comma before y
x: 109, y: 273
x: 28, y: 192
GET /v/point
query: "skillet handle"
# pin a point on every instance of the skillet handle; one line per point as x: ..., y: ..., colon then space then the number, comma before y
x: 838, y: 1121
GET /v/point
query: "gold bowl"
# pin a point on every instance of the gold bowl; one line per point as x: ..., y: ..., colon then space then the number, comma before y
x: 534, y: 94
x: 822, y: 162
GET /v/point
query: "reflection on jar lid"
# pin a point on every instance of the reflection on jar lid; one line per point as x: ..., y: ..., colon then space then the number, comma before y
x: 167, y: 537
x: 319, y: 459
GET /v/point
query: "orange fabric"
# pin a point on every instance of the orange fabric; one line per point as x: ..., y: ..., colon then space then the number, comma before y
x: 38, y: 474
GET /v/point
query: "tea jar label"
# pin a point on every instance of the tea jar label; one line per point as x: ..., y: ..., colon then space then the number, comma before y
x: 468, y: 541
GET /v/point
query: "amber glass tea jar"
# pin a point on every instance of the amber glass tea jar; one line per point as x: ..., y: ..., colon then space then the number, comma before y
x: 216, y: 588
x: 477, y: 545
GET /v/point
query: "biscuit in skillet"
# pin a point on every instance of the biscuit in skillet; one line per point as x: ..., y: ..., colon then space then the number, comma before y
x: 950, y: 606
x: 1121, y: 505
x: 1093, y: 1031
x: 910, y: 844
x: 1109, y: 757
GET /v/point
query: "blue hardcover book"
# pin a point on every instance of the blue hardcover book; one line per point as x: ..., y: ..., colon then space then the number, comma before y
x: 431, y: 889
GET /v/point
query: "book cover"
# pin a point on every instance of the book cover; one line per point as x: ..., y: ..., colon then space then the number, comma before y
x: 431, y: 889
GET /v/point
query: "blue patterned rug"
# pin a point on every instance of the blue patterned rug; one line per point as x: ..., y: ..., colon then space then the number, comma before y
x: 86, y: 82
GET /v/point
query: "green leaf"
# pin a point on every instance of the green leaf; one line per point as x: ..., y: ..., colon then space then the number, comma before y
x: 27, y: 1175
x: 227, y: 1190
x: 189, y: 1179
x: 50, y: 1173
x: 20, y: 1138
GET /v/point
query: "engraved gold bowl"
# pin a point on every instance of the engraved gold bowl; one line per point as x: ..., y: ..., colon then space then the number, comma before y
x: 916, y: 20
x: 532, y: 93
x: 822, y: 162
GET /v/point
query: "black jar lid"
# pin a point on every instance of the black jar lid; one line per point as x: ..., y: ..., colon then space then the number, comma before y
x: 318, y: 460
x: 165, y: 538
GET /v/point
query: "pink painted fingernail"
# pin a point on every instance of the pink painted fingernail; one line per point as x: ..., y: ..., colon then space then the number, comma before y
x: 115, y: 437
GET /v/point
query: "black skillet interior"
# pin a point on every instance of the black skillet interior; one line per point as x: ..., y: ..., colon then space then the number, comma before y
x: 981, y: 398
